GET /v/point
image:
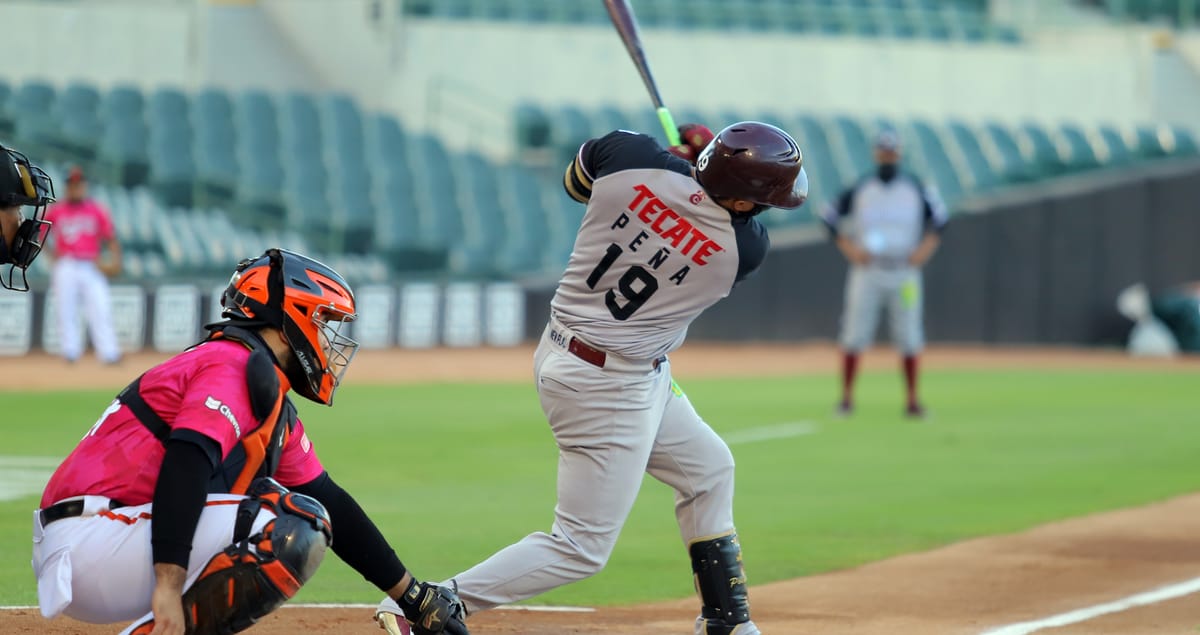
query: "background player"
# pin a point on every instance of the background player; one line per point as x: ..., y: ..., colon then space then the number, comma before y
x: 659, y: 243
x: 158, y: 512
x: 85, y: 234
x: 887, y: 226
x: 21, y: 239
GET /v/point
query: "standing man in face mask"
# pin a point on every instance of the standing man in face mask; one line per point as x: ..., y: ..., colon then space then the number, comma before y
x: 887, y: 226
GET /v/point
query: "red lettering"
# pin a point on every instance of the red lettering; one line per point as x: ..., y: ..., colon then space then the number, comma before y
x: 643, y: 193
x: 707, y: 249
x: 697, y: 236
x: 652, y: 206
x: 677, y: 233
x: 667, y: 213
x: 647, y: 206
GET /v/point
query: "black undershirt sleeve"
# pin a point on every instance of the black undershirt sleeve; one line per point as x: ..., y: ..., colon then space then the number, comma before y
x: 356, y: 539
x: 179, y: 497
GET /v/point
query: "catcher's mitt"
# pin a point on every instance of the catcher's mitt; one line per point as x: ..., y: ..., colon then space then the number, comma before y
x: 109, y: 266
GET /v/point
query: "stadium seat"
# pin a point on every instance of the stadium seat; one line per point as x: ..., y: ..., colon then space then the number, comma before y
x: 1080, y: 155
x: 1040, y: 151
x: 1117, y: 150
x: 532, y: 127
x: 7, y: 121
x: 825, y: 179
x: 941, y: 170
x: 1183, y: 142
x: 524, y: 214
x: 982, y: 176
x: 1010, y: 164
x: 32, y: 105
x: 80, y: 128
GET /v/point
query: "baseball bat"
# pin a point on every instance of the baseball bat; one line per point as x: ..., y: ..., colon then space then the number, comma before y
x: 627, y: 27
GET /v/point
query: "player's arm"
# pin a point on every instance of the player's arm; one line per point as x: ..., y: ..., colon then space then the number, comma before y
x: 831, y: 216
x: 936, y: 217
x: 179, y: 496
x: 110, y: 265
x: 361, y: 545
x: 616, y: 151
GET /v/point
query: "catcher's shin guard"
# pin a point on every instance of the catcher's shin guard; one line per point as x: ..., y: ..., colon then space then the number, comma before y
x: 258, y: 573
x: 721, y: 583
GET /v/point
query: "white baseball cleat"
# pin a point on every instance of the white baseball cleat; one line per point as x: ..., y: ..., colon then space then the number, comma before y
x: 390, y: 617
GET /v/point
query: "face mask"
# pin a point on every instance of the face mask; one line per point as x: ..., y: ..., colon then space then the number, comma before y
x: 26, y: 245
x: 887, y: 172
x: 33, y: 188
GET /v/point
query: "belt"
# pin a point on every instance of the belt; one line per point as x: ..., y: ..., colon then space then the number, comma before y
x: 595, y: 356
x: 69, y: 509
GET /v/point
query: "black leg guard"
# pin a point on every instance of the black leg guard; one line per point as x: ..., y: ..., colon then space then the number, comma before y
x: 720, y: 579
x: 241, y: 585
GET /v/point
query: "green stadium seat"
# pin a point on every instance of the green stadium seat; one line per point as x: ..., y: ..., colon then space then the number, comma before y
x: 532, y: 127
x: 1042, y: 153
x: 854, y: 142
x: 1080, y: 155
x: 982, y: 176
x: 439, y: 214
x: 1011, y: 166
x: 825, y: 180
x: 942, y: 172
x: 32, y: 106
x: 1118, y: 151
x: 520, y: 198
x: 1184, y: 143
x: 7, y: 120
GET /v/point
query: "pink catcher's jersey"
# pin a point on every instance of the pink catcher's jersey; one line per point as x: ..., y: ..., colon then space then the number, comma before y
x: 203, y: 390
x: 79, y: 229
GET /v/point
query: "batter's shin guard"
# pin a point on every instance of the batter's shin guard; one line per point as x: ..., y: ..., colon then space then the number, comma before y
x: 721, y: 582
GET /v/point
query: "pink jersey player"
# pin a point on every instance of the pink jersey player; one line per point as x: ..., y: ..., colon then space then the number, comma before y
x: 196, y: 502
x: 83, y: 232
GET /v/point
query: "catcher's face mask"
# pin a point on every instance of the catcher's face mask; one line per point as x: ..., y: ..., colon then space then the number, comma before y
x: 21, y: 184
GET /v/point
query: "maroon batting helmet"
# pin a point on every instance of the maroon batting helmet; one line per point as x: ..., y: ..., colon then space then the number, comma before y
x: 756, y: 162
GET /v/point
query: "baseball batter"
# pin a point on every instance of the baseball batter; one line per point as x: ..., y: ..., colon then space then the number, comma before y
x: 196, y: 502
x: 887, y: 226
x: 660, y: 242
x: 21, y: 239
x: 85, y: 231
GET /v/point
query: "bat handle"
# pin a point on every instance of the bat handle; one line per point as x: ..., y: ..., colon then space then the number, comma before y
x: 668, y: 124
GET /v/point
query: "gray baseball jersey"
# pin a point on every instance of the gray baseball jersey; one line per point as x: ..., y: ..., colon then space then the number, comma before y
x: 653, y: 250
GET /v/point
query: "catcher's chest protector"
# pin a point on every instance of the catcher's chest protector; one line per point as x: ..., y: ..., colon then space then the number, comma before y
x: 257, y: 454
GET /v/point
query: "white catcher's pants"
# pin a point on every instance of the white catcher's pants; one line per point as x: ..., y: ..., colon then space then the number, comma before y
x: 611, y: 425
x: 74, y: 280
x: 98, y: 567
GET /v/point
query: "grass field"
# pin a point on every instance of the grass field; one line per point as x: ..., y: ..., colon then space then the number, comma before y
x: 454, y: 472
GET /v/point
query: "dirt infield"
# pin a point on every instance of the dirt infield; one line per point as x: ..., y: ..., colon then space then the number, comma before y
x: 965, y: 588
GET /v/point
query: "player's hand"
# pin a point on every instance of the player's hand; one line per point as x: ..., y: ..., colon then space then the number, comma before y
x: 858, y: 256
x: 432, y: 609
x: 694, y: 137
x: 110, y: 267
x: 167, y: 600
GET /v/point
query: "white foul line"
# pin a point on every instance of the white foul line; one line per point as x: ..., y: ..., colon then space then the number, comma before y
x: 771, y: 432
x: 1168, y: 592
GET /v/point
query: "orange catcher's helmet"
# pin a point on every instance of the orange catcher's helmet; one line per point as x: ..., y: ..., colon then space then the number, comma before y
x: 309, y: 303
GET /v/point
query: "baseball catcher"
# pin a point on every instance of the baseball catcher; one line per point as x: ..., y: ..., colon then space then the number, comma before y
x: 196, y: 502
